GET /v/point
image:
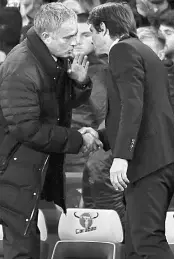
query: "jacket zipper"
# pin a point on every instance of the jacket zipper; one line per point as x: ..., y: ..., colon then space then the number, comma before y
x: 37, y: 200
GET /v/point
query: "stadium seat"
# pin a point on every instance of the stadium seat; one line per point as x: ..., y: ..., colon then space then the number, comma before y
x: 88, y: 224
x: 52, y: 215
x: 44, y: 251
x: 169, y: 229
x: 83, y: 250
x: 1, y: 238
x: 90, y: 227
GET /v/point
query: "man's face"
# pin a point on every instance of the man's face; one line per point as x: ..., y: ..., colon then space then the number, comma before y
x: 158, y: 6
x: 168, y: 33
x: 84, y: 40
x: 155, y: 46
x: 98, y: 40
x: 61, y: 43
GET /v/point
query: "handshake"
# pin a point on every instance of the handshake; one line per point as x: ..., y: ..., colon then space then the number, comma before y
x: 91, y: 140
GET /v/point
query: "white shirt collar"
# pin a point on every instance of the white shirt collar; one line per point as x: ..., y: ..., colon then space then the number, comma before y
x: 54, y: 58
x: 115, y: 42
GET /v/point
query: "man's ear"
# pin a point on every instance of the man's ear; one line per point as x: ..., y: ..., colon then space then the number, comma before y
x: 46, y: 37
x: 103, y: 28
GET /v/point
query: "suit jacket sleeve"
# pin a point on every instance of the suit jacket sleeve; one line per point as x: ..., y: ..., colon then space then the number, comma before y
x: 127, y: 69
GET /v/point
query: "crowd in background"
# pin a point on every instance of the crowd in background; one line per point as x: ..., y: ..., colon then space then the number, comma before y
x: 154, y: 20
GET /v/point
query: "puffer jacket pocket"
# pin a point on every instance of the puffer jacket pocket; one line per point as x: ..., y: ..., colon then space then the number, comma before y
x: 17, y: 205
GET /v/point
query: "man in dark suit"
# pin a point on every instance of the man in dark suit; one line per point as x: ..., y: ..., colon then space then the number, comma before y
x: 139, y: 130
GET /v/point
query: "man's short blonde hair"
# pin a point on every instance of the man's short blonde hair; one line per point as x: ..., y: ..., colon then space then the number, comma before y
x: 51, y: 16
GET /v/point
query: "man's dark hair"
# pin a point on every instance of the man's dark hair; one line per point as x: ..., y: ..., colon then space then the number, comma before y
x: 3, y: 3
x: 49, y: 1
x: 118, y: 18
x: 10, y: 27
x: 167, y: 18
x: 82, y: 17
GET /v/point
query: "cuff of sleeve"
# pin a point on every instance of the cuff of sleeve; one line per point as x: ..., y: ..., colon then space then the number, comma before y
x: 125, y: 150
x: 65, y: 140
x: 104, y: 139
x: 74, y: 143
x: 86, y: 84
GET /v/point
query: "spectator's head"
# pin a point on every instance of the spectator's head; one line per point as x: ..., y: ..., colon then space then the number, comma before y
x: 74, y: 5
x: 150, y: 37
x: 88, y: 5
x: 28, y: 9
x: 109, y: 22
x: 56, y: 25
x: 10, y: 28
x: 166, y: 28
x: 3, y: 3
x: 148, y: 8
x: 159, y: 6
x: 84, y: 36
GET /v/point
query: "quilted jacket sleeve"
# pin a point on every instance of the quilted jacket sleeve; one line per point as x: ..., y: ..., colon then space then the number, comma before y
x: 80, y: 93
x: 21, y: 109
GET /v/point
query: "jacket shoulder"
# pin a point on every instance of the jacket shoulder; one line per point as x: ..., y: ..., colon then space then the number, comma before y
x: 19, y: 61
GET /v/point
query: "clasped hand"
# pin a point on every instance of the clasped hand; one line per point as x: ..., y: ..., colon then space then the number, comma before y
x: 119, y: 167
x: 91, y: 140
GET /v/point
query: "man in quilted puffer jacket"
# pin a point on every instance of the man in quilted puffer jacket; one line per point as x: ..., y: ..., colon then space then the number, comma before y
x: 38, y: 89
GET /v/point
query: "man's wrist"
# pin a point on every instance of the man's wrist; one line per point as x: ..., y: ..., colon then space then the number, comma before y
x: 120, y: 159
x: 85, y: 83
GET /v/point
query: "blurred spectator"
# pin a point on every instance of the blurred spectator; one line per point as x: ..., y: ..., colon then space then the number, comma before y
x: 49, y: 1
x: 88, y: 5
x: 148, y: 8
x: 10, y: 29
x: 97, y: 190
x: 166, y: 28
x: 139, y: 19
x: 28, y: 9
x: 74, y: 5
x: 171, y: 4
x: 150, y: 37
x: 3, y: 3
x: 92, y: 113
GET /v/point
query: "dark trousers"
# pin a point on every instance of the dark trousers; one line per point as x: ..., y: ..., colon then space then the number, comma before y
x: 147, y: 202
x: 24, y: 247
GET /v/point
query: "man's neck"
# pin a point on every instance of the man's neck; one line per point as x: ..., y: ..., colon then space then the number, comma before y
x: 113, y: 42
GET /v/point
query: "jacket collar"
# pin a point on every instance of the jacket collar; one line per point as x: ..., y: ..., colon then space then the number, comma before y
x: 42, y: 54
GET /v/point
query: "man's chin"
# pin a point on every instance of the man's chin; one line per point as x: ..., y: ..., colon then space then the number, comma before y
x: 76, y: 52
x: 98, y: 52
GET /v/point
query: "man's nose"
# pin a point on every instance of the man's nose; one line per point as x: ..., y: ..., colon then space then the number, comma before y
x: 74, y: 41
x: 78, y: 39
